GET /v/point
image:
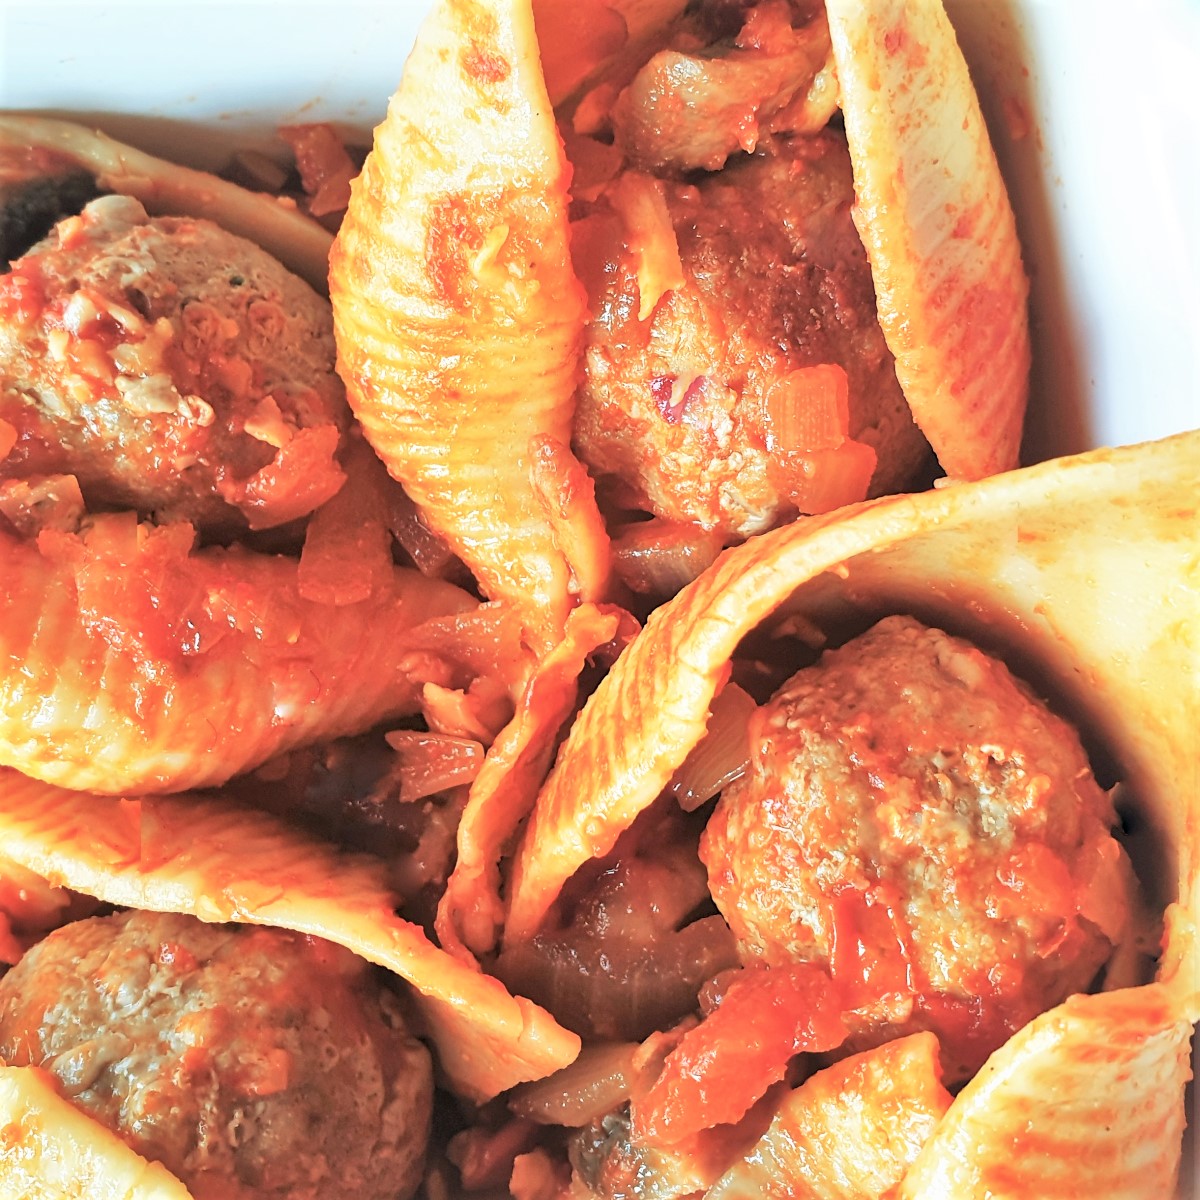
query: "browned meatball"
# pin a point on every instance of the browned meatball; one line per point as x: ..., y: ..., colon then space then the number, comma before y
x: 171, y: 366
x: 698, y: 409
x: 911, y: 814
x: 252, y: 1062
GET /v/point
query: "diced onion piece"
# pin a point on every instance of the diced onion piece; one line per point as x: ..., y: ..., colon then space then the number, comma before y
x: 594, y: 1084
x: 807, y: 426
x: 829, y: 479
x: 809, y: 409
x: 478, y: 714
x: 658, y: 557
x: 433, y: 762
x: 538, y: 1176
x: 51, y: 502
x: 258, y: 171
x: 642, y: 203
x: 265, y: 423
x: 721, y: 756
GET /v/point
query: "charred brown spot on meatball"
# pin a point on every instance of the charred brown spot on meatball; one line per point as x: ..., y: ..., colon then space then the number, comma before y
x: 915, y: 820
x: 249, y: 1061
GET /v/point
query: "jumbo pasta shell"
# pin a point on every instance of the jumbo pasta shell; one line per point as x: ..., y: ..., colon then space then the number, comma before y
x: 458, y: 316
x: 212, y: 860
x: 51, y: 1150
x: 167, y: 189
x: 1102, y: 1076
x: 934, y: 215
x: 129, y: 664
x: 1088, y: 567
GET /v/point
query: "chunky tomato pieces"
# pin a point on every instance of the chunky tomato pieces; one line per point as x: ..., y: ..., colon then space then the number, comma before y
x: 739, y: 1050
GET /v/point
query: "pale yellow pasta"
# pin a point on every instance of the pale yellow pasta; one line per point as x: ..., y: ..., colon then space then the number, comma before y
x: 1087, y: 1100
x: 849, y: 1132
x: 50, y: 1150
x: 934, y: 216
x: 459, y: 319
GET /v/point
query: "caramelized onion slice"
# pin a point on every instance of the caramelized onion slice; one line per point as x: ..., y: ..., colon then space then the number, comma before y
x: 433, y: 762
x: 658, y: 557
x: 721, y: 755
x: 618, y: 987
x: 595, y: 1083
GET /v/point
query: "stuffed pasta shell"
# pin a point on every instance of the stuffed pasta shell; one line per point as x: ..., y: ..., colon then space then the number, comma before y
x: 224, y: 1031
x: 717, y: 305
x: 907, y: 842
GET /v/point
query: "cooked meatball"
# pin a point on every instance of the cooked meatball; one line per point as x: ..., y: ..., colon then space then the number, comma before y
x: 172, y: 367
x: 915, y: 819
x: 252, y: 1062
x: 698, y: 409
